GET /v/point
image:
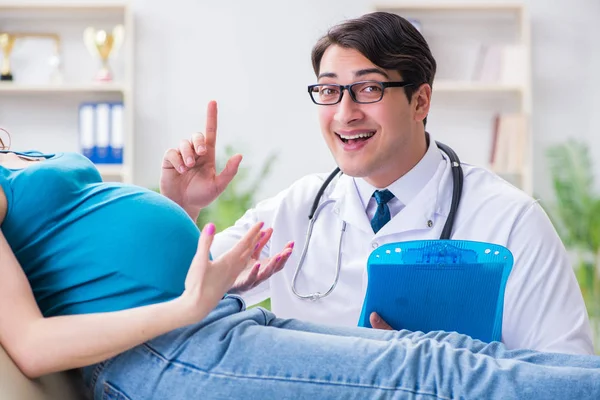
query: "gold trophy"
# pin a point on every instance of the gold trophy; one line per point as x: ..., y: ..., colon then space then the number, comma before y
x: 103, y: 44
x: 7, y: 42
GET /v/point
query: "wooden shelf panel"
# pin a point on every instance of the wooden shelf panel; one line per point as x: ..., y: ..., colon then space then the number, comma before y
x: 31, y: 11
x: 461, y: 7
x: 65, y: 7
x: 466, y: 86
x: 10, y: 87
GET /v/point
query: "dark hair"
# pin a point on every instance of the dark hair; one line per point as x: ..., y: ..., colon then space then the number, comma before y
x: 388, y: 41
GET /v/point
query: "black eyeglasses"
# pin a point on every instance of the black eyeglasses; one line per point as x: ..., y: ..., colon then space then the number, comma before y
x: 363, y: 92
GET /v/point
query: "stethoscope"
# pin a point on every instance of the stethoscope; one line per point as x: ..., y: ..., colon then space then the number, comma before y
x: 457, y: 185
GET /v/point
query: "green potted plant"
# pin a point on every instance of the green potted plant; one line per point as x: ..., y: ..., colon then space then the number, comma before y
x: 576, y: 216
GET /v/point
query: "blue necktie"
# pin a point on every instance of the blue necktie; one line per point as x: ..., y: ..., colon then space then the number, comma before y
x: 382, y: 214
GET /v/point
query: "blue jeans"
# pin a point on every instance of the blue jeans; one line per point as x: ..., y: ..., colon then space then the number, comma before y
x: 254, y: 355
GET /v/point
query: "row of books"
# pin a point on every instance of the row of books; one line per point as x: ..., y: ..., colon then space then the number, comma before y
x: 101, y: 132
x: 509, y: 144
x: 504, y: 63
x: 501, y: 64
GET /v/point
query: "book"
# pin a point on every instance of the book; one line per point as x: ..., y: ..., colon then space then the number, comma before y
x: 500, y: 64
x: 87, y: 123
x: 509, y: 144
x: 116, y: 133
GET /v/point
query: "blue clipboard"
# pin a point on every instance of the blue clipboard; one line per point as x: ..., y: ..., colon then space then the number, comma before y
x: 430, y: 285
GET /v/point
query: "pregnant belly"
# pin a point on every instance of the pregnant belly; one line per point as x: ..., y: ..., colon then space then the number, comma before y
x: 153, y: 242
x: 133, y: 250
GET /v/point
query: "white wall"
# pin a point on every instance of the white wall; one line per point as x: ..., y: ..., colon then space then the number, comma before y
x: 254, y: 58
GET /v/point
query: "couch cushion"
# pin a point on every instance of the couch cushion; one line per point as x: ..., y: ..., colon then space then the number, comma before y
x: 15, y: 385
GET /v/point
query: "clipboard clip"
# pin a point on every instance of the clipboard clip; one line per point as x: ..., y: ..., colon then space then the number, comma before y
x: 438, y: 252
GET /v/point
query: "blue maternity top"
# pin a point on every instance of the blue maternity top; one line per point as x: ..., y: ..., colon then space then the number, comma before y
x: 91, y: 246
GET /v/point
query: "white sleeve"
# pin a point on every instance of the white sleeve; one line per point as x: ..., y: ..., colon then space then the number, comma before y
x: 544, y: 309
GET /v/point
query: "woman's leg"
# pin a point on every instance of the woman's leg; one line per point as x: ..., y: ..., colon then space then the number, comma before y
x: 454, y: 339
x: 235, y: 355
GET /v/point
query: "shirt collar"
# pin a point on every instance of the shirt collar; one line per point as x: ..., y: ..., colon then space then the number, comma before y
x: 410, y: 184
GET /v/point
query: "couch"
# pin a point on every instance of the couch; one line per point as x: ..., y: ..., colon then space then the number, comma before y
x: 15, y: 385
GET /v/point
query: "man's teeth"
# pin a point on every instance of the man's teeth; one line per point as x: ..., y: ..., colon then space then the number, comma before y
x: 359, y: 136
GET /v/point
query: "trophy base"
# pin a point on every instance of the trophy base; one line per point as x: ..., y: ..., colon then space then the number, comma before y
x: 6, y: 77
x: 104, y: 76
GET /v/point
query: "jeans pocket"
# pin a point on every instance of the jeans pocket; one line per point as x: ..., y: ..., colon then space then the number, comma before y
x: 112, y: 393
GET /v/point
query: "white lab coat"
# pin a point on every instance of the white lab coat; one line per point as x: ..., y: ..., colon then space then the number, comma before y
x: 543, y: 306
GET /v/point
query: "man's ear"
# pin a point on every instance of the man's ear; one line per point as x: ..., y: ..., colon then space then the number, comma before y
x: 422, y: 101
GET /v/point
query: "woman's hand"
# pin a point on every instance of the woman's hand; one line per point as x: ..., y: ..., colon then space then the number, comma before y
x: 207, y: 281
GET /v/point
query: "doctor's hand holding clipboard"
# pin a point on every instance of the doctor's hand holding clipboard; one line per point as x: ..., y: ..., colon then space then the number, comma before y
x: 189, y: 177
x: 378, y: 323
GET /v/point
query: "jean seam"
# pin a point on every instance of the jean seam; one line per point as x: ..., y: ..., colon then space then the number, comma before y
x: 110, y: 389
x: 98, y: 370
x: 193, y: 368
x: 264, y: 313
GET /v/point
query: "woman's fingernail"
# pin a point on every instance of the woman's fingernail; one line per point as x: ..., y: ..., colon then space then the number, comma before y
x: 210, y: 229
x: 262, y: 224
x: 278, y: 259
x: 262, y: 234
x: 189, y: 161
x: 200, y: 149
x: 182, y: 169
x: 291, y: 245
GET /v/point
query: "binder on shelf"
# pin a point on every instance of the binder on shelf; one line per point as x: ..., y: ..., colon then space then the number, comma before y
x: 87, y: 116
x: 102, y: 131
x: 116, y: 133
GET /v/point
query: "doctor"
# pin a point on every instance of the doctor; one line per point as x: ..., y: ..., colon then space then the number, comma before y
x: 374, y: 85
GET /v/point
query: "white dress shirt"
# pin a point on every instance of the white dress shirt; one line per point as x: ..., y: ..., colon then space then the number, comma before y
x: 405, y: 188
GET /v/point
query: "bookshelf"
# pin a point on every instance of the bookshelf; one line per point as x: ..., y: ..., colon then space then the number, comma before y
x: 43, y: 113
x: 483, y: 53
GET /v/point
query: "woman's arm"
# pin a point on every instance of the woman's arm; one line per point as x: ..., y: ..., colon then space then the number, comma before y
x: 41, y: 345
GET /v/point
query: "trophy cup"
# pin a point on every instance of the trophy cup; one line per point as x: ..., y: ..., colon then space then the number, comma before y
x: 7, y: 42
x: 103, y: 44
